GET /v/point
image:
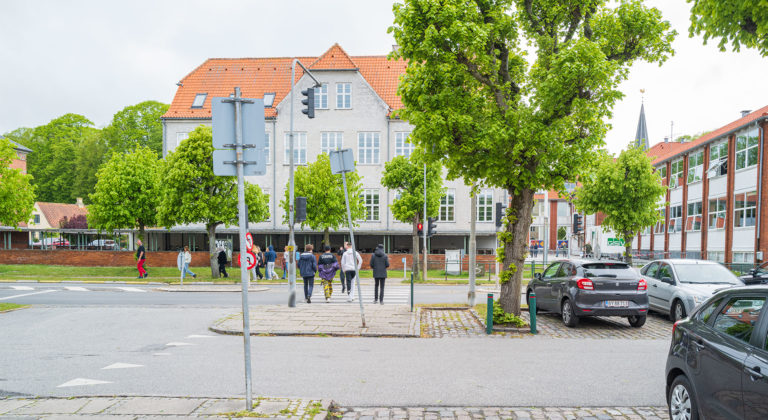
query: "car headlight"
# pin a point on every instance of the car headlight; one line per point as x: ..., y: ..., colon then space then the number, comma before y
x: 698, y: 299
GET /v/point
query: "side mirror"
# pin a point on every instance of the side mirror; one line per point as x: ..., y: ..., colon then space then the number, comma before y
x: 537, y: 276
x: 667, y: 280
x: 753, y: 272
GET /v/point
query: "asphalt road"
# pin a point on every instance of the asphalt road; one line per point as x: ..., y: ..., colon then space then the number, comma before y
x: 44, y: 347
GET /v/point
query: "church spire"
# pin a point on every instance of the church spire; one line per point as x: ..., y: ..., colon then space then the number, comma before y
x: 641, y: 137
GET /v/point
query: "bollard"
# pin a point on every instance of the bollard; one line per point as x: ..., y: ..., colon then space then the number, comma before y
x: 532, y: 311
x: 489, y: 315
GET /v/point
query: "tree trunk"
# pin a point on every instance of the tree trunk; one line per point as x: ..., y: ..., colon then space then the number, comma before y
x: 327, y: 237
x: 142, y: 233
x: 415, y: 250
x: 211, y: 228
x: 628, y: 238
x: 514, y: 241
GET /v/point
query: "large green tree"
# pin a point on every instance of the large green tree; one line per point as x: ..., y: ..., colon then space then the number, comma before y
x: 17, y: 197
x: 326, y: 208
x: 191, y: 193
x: 736, y: 22
x: 406, y: 176
x: 90, y: 155
x: 137, y: 125
x: 127, y: 192
x: 626, y: 190
x: 515, y: 119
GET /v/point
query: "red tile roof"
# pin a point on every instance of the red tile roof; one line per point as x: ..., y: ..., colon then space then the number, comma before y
x: 256, y: 76
x: 55, y: 212
x: 664, y: 153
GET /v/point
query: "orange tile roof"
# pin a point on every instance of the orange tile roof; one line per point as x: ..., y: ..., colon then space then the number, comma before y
x: 256, y: 76
x: 674, y: 151
x: 55, y: 212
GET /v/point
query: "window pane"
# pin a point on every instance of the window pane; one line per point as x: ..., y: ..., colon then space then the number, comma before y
x: 739, y: 316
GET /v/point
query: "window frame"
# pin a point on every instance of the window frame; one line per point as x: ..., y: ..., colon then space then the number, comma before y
x: 373, y: 193
x: 726, y: 300
x: 660, y: 226
x: 301, y: 137
x: 321, y: 94
x: 325, y: 141
x: 484, y: 209
x: 695, y: 167
x: 446, y: 207
x: 267, y: 147
x: 676, y: 173
x: 690, y: 217
x: 717, y: 212
x: 344, y: 97
x: 744, y: 153
x: 372, y: 156
x: 745, y: 209
x: 202, y: 102
x: 403, y: 147
x: 663, y: 174
x: 676, y: 218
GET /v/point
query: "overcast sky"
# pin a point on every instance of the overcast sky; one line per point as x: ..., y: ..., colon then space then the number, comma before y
x: 96, y: 57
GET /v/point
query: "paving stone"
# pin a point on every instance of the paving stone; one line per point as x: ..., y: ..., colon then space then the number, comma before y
x: 7, y: 406
x: 97, y: 405
x: 223, y: 406
x: 272, y: 407
x: 53, y: 406
x: 165, y: 406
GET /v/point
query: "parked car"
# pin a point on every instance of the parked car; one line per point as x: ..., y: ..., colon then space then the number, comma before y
x: 50, y: 242
x: 579, y: 288
x: 757, y: 275
x: 717, y: 366
x: 102, y: 244
x: 676, y: 286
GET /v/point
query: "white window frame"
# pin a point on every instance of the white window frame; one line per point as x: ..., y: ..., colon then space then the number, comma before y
x: 485, y: 206
x: 661, y: 224
x: 747, y: 149
x: 368, y: 147
x: 403, y: 147
x: 300, y: 148
x: 718, y: 209
x: 321, y: 96
x: 718, y: 156
x: 180, y: 137
x: 330, y: 141
x: 676, y: 174
x: 695, y: 166
x: 694, y: 211
x: 343, y: 95
x: 268, y: 147
x: 372, y: 204
x: 676, y: 218
x: 744, y: 213
x: 199, y: 100
x: 447, y: 206
x: 538, y: 208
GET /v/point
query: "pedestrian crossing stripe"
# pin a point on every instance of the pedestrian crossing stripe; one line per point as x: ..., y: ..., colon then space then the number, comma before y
x: 393, y: 295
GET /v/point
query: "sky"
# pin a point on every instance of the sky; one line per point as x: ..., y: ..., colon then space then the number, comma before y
x: 96, y: 57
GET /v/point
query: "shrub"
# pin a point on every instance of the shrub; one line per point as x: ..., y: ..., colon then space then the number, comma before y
x: 501, y: 317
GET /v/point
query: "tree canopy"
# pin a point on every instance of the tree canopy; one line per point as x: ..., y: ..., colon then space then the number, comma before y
x: 137, y: 125
x: 17, y: 197
x: 736, y: 22
x: 520, y: 120
x: 626, y: 190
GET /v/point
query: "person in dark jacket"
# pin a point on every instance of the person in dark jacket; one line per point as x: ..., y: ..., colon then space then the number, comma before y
x: 327, y: 266
x: 270, y: 256
x: 307, y: 268
x: 340, y: 253
x: 379, y: 264
x: 222, y: 260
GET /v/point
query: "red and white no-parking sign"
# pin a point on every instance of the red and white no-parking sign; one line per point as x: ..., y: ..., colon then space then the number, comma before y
x: 250, y: 259
x: 249, y: 240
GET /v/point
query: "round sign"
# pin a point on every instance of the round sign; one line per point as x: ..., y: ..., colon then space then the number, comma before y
x: 249, y: 240
x: 250, y: 259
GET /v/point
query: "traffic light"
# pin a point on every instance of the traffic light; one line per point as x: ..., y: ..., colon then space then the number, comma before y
x: 309, y: 101
x: 578, y: 223
x: 420, y: 228
x: 431, y: 227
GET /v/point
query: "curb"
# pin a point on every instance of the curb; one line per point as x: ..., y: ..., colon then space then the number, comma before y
x: 16, y: 309
x: 252, y: 289
x: 213, y: 328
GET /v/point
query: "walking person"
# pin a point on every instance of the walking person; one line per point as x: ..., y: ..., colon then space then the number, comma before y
x: 379, y: 264
x: 351, y: 262
x: 285, y: 262
x: 187, y: 261
x: 141, y: 257
x: 259, y: 261
x: 327, y: 266
x: 270, y: 256
x: 222, y: 260
x: 340, y: 253
x: 307, y: 269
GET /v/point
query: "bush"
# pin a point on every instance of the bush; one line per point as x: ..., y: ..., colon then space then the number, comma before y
x: 501, y: 317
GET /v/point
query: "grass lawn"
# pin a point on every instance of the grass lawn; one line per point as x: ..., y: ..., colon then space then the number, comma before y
x: 10, y: 306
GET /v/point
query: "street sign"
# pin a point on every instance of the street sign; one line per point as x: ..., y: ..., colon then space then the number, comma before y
x: 342, y: 161
x: 250, y: 259
x: 254, y: 137
x: 289, y: 248
x: 249, y: 240
x: 615, y: 242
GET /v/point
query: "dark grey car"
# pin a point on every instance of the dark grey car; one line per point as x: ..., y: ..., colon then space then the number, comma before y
x: 717, y: 367
x: 579, y: 288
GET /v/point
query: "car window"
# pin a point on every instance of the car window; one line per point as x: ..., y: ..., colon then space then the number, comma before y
x: 651, y: 270
x: 609, y: 269
x: 705, y: 273
x: 664, y: 271
x: 565, y: 270
x: 739, y: 316
x: 551, y: 271
x: 705, y: 314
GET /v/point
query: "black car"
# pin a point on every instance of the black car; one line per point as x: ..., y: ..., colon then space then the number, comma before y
x: 580, y: 288
x: 758, y: 275
x: 717, y: 366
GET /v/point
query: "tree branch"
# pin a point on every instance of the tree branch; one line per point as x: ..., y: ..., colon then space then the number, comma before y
x: 474, y: 70
x: 535, y: 22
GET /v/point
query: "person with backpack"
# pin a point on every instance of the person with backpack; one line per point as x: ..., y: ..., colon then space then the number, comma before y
x: 307, y: 268
x: 327, y: 266
x: 351, y: 262
x: 270, y: 256
x: 379, y: 264
x: 222, y: 260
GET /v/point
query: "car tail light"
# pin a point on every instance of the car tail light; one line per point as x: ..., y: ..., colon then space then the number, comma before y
x: 585, y: 284
x: 642, y: 285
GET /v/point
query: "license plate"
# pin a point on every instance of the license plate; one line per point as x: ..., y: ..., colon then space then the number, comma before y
x: 616, y: 303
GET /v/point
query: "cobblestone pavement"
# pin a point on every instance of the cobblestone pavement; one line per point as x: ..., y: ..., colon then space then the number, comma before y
x: 514, y: 413
x: 437, y: 323
x: 134, y: 408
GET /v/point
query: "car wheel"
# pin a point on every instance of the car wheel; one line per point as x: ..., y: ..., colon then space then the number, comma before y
x: 681, y: 400
x: 528, y: 301
x: 569, y: 318
x: 678, y: 311
x: 637, y: 321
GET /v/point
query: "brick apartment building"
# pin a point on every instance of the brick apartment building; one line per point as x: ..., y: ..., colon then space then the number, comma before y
x: 21, y: 157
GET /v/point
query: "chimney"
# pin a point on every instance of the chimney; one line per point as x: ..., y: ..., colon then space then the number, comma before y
x: 745, y: 112
x: 666, y: 139
x: 80, y: 202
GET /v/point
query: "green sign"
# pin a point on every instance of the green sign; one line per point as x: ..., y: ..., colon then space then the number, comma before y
x: 615, y: 242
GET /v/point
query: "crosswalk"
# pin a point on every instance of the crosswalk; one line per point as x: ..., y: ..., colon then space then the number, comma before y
x: 75, y: 288
x: 393, y: 295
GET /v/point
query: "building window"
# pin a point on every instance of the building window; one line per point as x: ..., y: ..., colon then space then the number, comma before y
x: 371, y: 203
x: 717, y: 210
x: 538, y: 208
x: 447, y: 206
x: 368, y: 148
x: 675, y: 218
x: 330, y: 141
x: 485, y: 206
x: 718, y: 158
x: 343, y: 95
x: 663, y: 174
x: 746, y: 150
x: 299, y: 148
x: 37, y: 219
x: 717, y: 256
x: 693, y: 218
x: 269, y: 100
x: 199, y: 100
x: 562, y: 209
x: 695, y: 166
x: 659, y: 228
x: 267, y: 148
x: 403, y: 147
x: 677, y: 174
x: 180, y: 137
x: 744, y: 207
x: 321, y: 97
x: 744, y: 257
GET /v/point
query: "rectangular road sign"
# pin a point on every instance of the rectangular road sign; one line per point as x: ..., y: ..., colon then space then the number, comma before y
x: 342, y: 161
x: 254, y: 137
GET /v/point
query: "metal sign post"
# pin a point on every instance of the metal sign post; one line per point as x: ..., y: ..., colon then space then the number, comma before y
x: 343, y: 161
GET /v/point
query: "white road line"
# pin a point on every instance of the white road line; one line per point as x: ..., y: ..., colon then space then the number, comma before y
x: 77, y: 289
x: 22, y: 288
x: 178, y: 344
x: 121, y: 366
x: 26, y: 294
x: 162, y: 354
x: 201, y: 336
x: 82, y: 381
x: 132, y: 289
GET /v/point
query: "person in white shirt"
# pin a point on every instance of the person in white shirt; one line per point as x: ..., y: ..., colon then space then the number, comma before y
x: 349, y: 267
x: 187, y: 261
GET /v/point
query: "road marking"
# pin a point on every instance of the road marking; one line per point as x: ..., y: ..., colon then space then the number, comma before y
x: 77, y: 289
x: 22, y: 288
x: 163, y: 354
x: 178, y: 344
x: 132, y: 289
x: 201, y: 336
x: 26, y: 294
x: 121, y: 366
x: 82, y: 381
